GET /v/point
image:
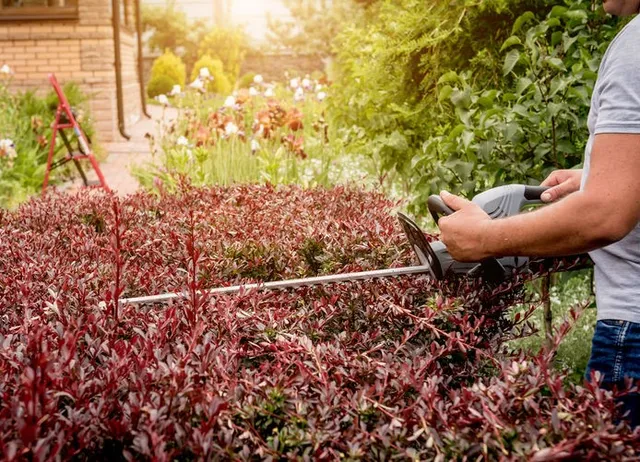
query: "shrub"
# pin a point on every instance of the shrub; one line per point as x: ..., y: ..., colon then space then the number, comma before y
x: 246, y: 80
x: 382, y: 369
x: 170, y: 66
x: 220, y: 83
x: 227, y: 45
x: 394, y: 97
x: 159, y: 85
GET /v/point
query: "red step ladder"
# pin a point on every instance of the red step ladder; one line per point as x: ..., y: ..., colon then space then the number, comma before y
x: 65, y: 119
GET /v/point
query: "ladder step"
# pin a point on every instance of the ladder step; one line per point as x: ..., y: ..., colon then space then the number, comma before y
x: 76, y: 156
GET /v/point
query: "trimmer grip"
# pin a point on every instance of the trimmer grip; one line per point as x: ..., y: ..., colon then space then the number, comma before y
x: 437, y: 207
x: 534, y: 193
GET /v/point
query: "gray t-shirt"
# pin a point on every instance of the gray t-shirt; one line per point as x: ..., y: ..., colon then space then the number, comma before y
x: 615, y: 108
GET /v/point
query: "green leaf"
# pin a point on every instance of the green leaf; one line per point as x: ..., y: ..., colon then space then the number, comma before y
x: 523, y: 84
x: 556, y: 63
x: 463, y: 169
x: 510, y: 61
x: 557, y: 11
x: 461, y: 98
x: 467, y: 138
x: 445, y: 93
x: 553, y: 22
x: 576, y: 15
x: 522, y: 19
x: 511, y: 41
x: 558, y: 85
x: 457, y: 131
x: 511, y: 131
x: 554, y: 109
x: 449, y: 77
x: 567, y: 42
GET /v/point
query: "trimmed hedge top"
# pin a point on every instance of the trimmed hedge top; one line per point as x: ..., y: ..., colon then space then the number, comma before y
x: 397, y: 368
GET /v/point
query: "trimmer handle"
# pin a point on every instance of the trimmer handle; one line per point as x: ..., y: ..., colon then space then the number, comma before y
x: 437, y: 207
x: 508, y: 200
x: 534, y: 193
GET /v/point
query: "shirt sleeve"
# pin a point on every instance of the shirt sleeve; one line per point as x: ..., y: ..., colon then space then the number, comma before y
x: 619, y: 94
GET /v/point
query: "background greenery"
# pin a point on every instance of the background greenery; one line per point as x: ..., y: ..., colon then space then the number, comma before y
x: 466, y: 95
x: 26, y: 119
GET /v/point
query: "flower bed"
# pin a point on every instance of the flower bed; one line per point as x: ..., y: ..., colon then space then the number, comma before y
x: 401, y: 368
x: 266, y: 133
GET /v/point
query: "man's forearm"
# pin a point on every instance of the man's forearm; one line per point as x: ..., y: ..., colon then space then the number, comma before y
x: 574, y: 225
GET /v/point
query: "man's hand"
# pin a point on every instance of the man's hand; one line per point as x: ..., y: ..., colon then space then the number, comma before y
x: 561, y: 183
x: 465, y: 231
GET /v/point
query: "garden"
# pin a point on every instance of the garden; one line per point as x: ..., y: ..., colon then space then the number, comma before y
x: 260, y: 180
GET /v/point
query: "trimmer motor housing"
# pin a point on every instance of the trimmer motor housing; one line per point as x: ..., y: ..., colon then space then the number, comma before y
x: 500, y: 202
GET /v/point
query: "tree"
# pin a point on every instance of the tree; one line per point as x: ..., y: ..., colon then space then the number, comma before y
x: 229, y: 45
x: 171, y: 30
x: 315, y: 23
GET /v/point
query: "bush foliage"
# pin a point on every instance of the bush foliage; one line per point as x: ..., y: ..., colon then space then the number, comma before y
x: 167, y: 69
x: 219, y: 83
x: 227, y: 45
x: 468, y: 95
x: 369, y: 370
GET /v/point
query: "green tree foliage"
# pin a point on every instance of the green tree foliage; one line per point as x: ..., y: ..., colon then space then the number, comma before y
x: 229, y: 46
x: 468, y: 94
x: 171, y: 30
x: 219, y: 83
x: 167, y: 69
x: 315, y: 23
x: 535, y: 122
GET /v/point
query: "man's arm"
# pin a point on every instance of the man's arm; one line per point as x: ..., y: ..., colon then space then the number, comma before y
x: 604, y: 212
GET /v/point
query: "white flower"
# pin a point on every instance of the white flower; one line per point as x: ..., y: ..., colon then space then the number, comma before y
x: 204, y: 73
x: 321, y: 96
x: 5, y: 69
x: 182, y: 141
x: 295, y: 83
x: 306, y: 83
x: 253, y: 92
x: 162, y: 99
x: 258, y: 79
x: 8, y: 149
x: 102, y: 305
x: 230, y: 129
x: 299, y: 96
x: 197, y: 84
x: 176, y: 90
x: 318, y: 88
x: 255, y: 146
x: 230, y: 101
x: 269, y: 93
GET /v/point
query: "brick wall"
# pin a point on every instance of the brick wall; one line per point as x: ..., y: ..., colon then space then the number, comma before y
x: 76, y: 50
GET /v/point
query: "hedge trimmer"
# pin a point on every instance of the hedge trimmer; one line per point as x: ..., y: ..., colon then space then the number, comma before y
x: 435, y: 261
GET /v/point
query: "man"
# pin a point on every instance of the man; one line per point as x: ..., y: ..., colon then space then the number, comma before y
x: 599, y: 212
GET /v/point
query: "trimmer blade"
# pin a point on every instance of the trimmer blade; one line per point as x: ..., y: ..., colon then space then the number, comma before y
x: 421, y: 246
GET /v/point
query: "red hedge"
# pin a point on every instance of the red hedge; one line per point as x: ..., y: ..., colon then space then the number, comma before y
x: 370, y: 370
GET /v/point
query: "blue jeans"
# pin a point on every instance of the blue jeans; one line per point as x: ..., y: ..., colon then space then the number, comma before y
x: 615, y: 352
